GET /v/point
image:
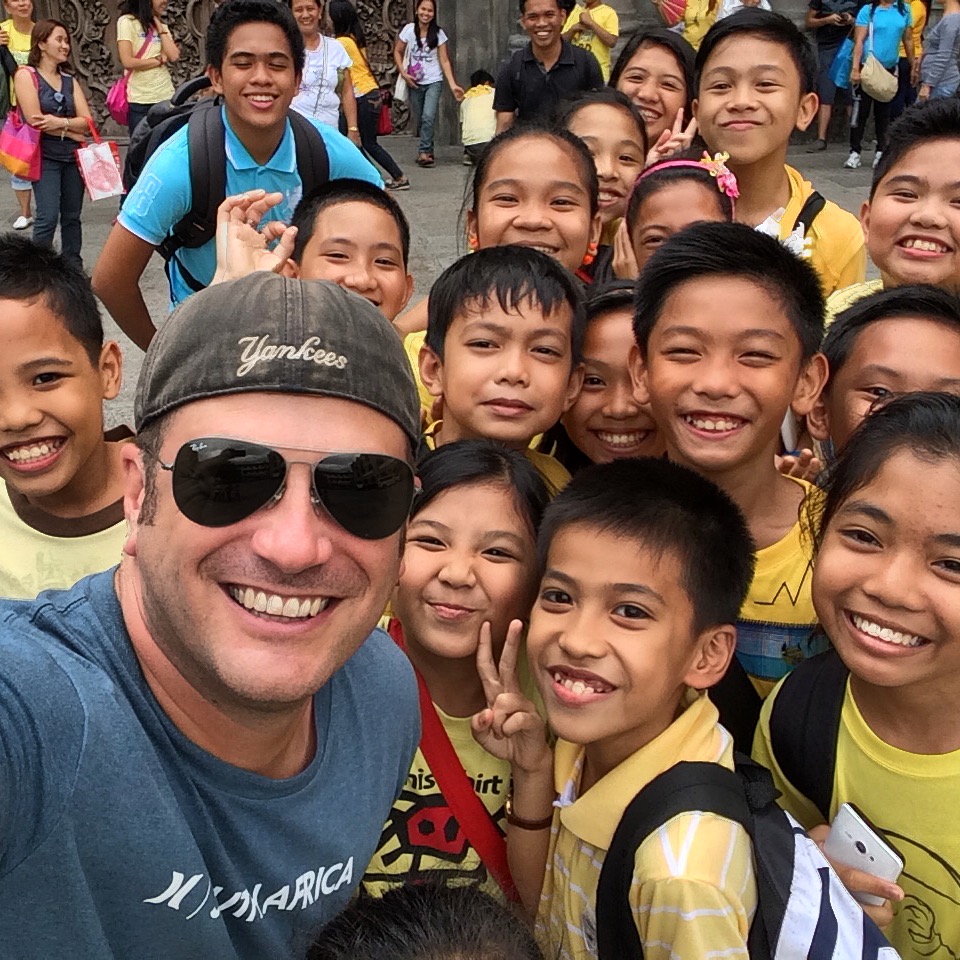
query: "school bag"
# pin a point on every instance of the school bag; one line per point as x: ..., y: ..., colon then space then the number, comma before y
x: 208, y: 163
x: 803, y: 910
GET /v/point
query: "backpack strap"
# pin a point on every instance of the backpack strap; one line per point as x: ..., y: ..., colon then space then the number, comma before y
x: 738, y: 704
x: 313, y: 162
x: 685, y: 787
x: 804, y: 724
x: 809, y: 211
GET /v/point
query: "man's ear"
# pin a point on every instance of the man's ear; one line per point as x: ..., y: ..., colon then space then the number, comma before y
x: 812, y: 380
x: 134, y: 490
x: 431, y: 371
x: 216, y: 80
x: 714, y: 650
x: 807, y: 110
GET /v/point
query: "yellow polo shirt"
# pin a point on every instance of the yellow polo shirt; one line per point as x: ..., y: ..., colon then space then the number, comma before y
x: 694, y: 890
x: 839, y: 301
x: 606, y: 18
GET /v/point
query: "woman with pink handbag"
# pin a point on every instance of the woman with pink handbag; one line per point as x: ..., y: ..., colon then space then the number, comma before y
x: 145, y: 46
x: 53, y: 102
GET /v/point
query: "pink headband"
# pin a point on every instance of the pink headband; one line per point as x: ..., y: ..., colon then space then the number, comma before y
x: 717, y: 168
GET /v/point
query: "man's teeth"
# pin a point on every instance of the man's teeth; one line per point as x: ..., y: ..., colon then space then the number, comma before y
x: 273, y: 604
x: 712, y: 424
x: 620, y: 439
x: 262, y: 98
x: 915, y: 244
x: 885, y: 633
x: 34, y: 451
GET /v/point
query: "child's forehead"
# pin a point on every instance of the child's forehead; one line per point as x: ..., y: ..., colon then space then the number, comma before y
x: 518, y: 317
x: 337, y: 219
x: 729, y: 54
x: 928, y: 160
x: 901, y: 338
x: 589, y: 549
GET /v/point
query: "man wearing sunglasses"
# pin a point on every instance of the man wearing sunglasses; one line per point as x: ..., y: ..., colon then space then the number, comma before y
x: 199, y: 748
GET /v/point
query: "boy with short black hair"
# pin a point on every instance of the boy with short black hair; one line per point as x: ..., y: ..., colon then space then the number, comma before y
x: 728, y: 326
x: 61, y: 507
x: 911, y: 220
x: 503, y: 347
x: 755, y: 86
x: 347, y: 231
x: 903, y: 340
x: 645, y: 565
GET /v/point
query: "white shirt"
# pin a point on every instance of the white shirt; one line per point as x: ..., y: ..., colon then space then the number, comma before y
x: 317, y: 96
x: 732, y: 6
x: 428, y: 59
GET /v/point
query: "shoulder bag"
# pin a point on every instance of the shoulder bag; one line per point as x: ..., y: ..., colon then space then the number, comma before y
x: 876, y: 81
x: 117, y: 102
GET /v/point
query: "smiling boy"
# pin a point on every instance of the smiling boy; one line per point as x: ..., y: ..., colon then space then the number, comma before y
x: 755, y: 80
x: 644, y: 566
x: 719, y: 382
x: 503, y: 349
x: 255, y: 56
x: 61, y: 513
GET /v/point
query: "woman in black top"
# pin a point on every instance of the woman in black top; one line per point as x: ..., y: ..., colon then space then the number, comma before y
x: 52, y: 101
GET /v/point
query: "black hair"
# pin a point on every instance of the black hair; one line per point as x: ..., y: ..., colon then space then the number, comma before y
x: 919, y: 300
x: 346, y: 23
x: 767, y: 25
x: 426, y: 921
x: 673, y: 43
x: 470, y: 462
x: 30, y: 271
x: 661, y: 175
x: 926, y: 425
x: 346, y: 190
x: 731, y: 250
x: 228, y: 16
x: 142, y: 10
x: 511, y: 275
x: 925, y: 121
x: 481, y: 76
x: 560, y: 6
x: 561, y: 137
x: 433, y: 28
x: 667, y: 509
x: 567, y: 109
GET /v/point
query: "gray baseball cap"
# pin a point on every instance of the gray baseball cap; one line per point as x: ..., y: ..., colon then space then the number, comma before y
x: 270, y: 334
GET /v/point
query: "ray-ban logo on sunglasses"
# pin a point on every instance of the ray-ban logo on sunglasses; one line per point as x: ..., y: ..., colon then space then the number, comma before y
x: 259, y: 349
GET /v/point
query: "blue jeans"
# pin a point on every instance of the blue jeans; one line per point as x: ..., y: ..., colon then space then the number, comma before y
x: 426, y: 99
x: 58, y: 196
x: 137, y: 112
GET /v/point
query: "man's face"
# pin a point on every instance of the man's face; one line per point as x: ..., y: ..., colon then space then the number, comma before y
x: 258, y: 78
x: 186, y: 577
x: 543, y: 22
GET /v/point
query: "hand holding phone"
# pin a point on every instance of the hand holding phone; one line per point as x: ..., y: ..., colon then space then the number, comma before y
x: 853, y: 842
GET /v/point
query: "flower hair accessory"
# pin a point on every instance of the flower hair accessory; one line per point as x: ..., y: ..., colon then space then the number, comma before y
x: 725, y: 177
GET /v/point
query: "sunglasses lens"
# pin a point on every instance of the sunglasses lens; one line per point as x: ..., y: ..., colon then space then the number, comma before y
x: 368, y: 494
x: 218, y: 482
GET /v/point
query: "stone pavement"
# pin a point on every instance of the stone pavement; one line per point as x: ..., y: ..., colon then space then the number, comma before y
x: 433, y: 206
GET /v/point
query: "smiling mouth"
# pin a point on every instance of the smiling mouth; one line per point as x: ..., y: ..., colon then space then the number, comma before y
x: 276, y: 606
x: 879, y: 631
x: 717, y: 423
x: 32, y: 451
x: 629, y: 439
x: 923, y: 245
x: 579, y: 685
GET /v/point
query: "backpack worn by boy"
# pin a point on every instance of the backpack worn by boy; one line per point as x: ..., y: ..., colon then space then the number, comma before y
x: 803, y: 910
x: 208, y: 163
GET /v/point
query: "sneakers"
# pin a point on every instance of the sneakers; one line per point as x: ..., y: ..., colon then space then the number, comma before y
x: 876, y: 158
x: 818, y: 146
x: 22, y: 222
x: 401, y: 183
x: 853, y: 161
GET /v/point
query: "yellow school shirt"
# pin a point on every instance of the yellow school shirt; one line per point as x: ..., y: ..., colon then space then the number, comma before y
x: 363, y: 80
x: 606, y: 18
x: 412, y: 343
x: 698, y: 17
x: 478, y: 122
x: 554, y: 473
x: 839, y: 301
x: 777, y: 620
x: 19, y: 48
x: 694, y: 891
x: 837, y: 250
x: 144, y: 86
x: 422, y: 834
x: 911, y: 799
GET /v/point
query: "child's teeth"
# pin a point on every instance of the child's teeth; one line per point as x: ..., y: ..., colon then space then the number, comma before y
x: 885, y: 633
x: 620, y: 439
x: 34, y: 451
x: 716, y: 425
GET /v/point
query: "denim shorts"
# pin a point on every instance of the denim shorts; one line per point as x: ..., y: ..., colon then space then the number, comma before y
x: 18, y: 183
x: 828, y: 92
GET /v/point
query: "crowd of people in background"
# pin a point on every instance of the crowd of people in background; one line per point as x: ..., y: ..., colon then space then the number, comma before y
x: 600, y: 604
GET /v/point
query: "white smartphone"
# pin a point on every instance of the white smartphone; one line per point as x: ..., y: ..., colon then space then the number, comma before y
x: 853, y: 842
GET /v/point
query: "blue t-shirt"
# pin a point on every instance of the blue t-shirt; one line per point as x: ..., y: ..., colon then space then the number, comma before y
x: 120, y: 838
x: 163, y: 194
x: 888, y: 26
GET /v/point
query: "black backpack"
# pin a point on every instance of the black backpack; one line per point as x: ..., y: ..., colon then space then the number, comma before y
x: 803, y: 910
x: 208, y: 163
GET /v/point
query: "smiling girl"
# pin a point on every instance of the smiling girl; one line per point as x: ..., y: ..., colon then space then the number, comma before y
x: 469, y: 566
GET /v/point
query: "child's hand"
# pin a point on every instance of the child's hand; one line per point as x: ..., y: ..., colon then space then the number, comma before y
x: 510, y: 728
x: 673, y: 140
x: 857, y: 881
x: 624, y: 260
x: 803, y: 466
x: 241, y: 248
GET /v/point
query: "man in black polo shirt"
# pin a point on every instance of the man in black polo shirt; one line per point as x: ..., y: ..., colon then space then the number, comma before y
x: 546, y: 70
